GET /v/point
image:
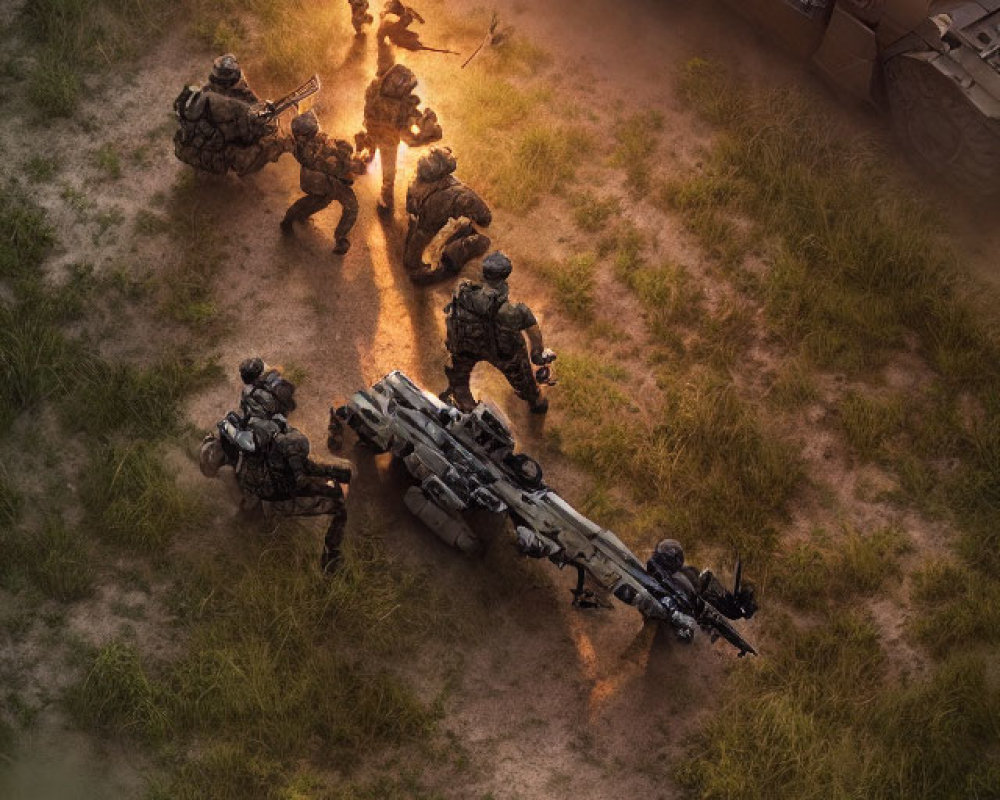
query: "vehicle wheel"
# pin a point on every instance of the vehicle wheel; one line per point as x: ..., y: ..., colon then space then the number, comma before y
x: 942, y: 128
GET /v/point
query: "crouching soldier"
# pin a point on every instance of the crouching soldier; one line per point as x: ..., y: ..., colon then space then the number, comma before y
x: 218, y: 127
x: 439, y: 203
x: 274, y: 470
x: 483, y: 325
x: 702, y: 587
x: 329, y: 168
x: 392, y: 115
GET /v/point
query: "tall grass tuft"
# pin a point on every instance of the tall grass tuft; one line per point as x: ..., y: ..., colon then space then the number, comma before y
x: 573, y: 280
x: 703, y: 456
x: 131, y: 498
x: 636, y: 140
x: 54, y: 559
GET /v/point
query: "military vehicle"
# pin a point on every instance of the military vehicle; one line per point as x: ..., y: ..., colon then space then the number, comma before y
x: 467, y: 461
x: 935, y: 66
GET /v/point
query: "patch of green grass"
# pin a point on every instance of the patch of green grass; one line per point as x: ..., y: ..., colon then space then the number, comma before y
x: 636, y: 140
x: 117, y: 695
x: 55, y: 559
x: 870, y: 422
x: 541, y: 161
x: 131, y: 498
x: 957, y: 606
x: 108, y: 162
x: 825, y: 572
x: 573, y: 280
x: 25, y: 235
x: 42, y: 169
x: 794, y: 385
x: 10, y: 500
x: 700, y: 453
x: 819, y: 711
x: 284, y: 674
x: 859, y: 260
x: 592, y: 213
x: 141, y: 402
x: 80, y: 36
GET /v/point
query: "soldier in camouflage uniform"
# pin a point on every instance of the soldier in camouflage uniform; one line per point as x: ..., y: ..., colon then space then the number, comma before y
x: 391, y: 116
x: 359, y: 15
x: 266, y: 391
x: 273, y: 470
x: 218, y: 130
x: 435, y: 199
x: 483, y: 325
x: 328, y: 171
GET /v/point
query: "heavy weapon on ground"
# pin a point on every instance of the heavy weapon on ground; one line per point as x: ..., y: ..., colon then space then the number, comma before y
x: 467, y: 461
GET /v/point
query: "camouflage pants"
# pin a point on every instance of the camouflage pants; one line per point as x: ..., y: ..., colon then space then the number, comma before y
x: 516, y: 369
x: 325, y: 499
x: 387, y: 147
x: 306, y: 206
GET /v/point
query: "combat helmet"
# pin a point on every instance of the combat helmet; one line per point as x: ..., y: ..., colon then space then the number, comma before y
x: 398, y: 82
x: 669, y: 554
x: 305, y: 125
x: 226, y: 71
x: 436, y: 164
x: 496, y: 267
x: 251, y: 369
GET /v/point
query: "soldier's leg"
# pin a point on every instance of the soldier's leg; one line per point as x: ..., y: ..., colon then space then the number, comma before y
x: 413, y: 251
x: 344, y: 195
x: 303, y: 208
x: 521, y: 377
x: 459, y: 374
x: 462, y: 250
x: 330, y: 558
x: 387, y: 150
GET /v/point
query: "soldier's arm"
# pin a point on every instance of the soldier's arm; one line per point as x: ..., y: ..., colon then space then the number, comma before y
x: 471, y: 205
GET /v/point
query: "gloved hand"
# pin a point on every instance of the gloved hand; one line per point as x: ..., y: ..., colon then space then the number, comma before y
x: 541, y: 357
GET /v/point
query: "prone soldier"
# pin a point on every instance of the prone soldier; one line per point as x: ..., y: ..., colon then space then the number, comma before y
x: 435, y: 199
x: 218, y: 129
x: 328, y: 171
x: 483, y: 325
x: 392, y: 115
x: 667, y: 563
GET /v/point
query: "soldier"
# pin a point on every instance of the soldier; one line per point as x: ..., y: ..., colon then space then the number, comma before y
x: 437, y: 198
x: 227, y: 78
x: 667, y: 562
x: 328, y: 171
x: 392, y: 116
x: 483, y: 325
x: 359, y: 15
x: 266, y: 391
x: 218, y: 130
x: 273, y: 470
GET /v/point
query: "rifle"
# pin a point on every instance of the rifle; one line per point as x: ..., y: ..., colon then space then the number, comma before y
x: 489, y: 38
x: 270, y: 109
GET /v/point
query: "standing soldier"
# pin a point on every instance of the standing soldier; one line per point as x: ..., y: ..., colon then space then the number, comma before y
x: 328, y: 171
x: 483, y: 325
x: 437, y: 198
x: 359, y: 15
x: 391, y: 116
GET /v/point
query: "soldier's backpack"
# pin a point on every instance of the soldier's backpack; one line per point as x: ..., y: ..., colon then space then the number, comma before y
x: 470, y: 320
x: 272, y: 393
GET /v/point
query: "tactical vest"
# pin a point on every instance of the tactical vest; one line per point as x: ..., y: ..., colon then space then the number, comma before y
x: 475, y: 323
x: 266, y: 473
x: 323, y: 160
x: 270, y: 394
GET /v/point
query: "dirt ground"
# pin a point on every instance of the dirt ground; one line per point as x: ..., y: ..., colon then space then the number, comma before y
x: 554, y: 703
